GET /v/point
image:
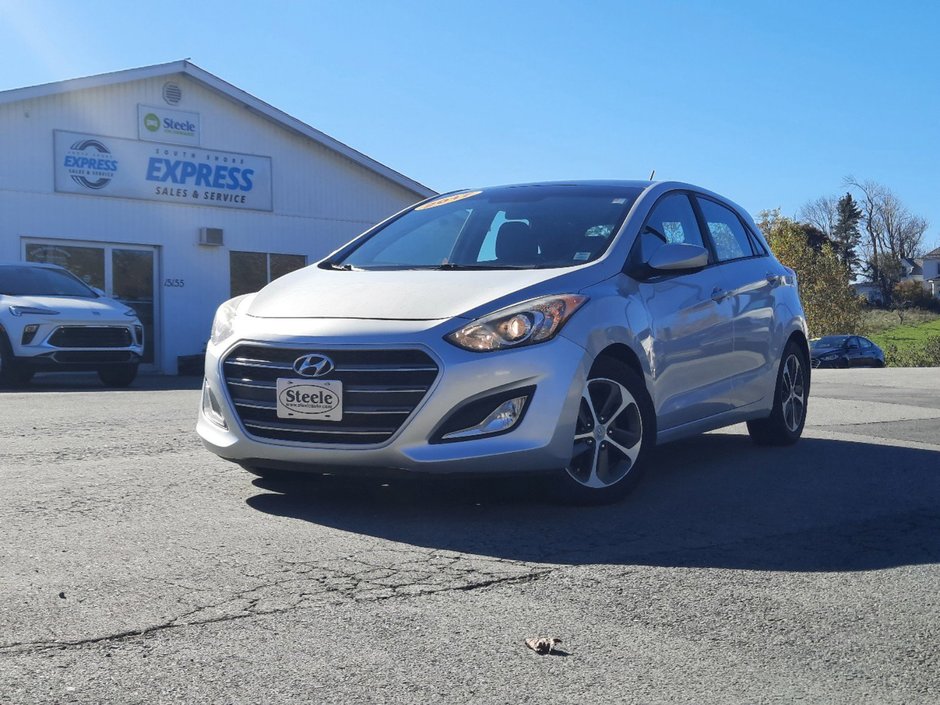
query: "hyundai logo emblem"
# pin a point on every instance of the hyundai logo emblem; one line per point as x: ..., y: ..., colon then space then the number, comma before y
x: 313, y: 365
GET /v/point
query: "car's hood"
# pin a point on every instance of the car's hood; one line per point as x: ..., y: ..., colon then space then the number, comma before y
x: 71, y: 306
x: 420, y: 295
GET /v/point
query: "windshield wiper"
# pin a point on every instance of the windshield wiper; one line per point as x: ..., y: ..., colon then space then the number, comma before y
x: 340, y: 267
x: 455, y: 266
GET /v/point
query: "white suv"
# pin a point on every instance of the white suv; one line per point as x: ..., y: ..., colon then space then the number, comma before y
x: 51, y: 321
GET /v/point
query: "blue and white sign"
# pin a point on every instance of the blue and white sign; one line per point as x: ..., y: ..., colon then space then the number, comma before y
x: 165, y: 125
x: 111, y: 166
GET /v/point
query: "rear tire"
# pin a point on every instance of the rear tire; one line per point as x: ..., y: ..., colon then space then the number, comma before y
x: 785, y: 424
x: 614, y: 434
x: 118, y: 375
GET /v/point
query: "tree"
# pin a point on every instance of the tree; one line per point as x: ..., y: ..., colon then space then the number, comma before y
x: 837, y: 220
x: 823, y: 213
x: 830, y: 304
x: 892, y: 232
x: 845, y: 233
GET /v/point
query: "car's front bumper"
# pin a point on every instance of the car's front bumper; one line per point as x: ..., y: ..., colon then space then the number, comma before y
x: 68, y: 344
x: 542, y: 440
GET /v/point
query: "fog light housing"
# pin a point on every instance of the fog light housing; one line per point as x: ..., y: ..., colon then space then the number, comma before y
x: 211, y: 408
x: 491, y: 416
x: 29, y: 332
x: 139, y: 334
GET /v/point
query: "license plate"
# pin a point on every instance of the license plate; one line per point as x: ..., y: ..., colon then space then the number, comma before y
x: 309, y: 399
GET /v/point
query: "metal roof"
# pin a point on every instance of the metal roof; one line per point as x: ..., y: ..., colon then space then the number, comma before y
x: 226, y: 89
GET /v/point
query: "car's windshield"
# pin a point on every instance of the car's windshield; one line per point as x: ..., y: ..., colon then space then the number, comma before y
x: 829, y: 341
x: 519, y: 227
x: 41, y: 281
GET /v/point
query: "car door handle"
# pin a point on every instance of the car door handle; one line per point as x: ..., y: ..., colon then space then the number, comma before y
x: 718, y: 294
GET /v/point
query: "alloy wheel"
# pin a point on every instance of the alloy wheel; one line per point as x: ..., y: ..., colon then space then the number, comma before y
x: 792, y: 393
x: 608, y: 434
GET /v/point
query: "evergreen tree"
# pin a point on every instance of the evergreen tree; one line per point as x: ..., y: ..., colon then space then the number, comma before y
x: 845, y: 233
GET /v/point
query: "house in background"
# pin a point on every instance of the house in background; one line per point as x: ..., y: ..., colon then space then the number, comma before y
x: 930, y: 272
x: 925, y: 270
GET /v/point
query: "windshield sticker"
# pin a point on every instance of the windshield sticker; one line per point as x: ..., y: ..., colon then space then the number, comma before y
x: 448, y: 199
x: 582, y: 256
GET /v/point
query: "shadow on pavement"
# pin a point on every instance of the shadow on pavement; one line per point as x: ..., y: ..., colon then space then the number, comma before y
x: 713, y: 501
x: 89, y: 382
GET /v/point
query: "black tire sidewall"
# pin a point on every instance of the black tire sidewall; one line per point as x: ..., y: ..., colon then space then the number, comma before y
x: 777, y: 418
x: 568, y: 490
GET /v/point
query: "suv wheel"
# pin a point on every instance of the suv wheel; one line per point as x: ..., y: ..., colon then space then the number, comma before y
x: 614, y: 433
x: 118, y: 375
x: 11, y: 373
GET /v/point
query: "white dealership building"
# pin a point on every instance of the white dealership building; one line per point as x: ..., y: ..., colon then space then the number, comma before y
x: 173, y: 190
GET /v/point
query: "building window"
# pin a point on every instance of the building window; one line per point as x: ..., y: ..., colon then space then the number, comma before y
x: 250, y: 271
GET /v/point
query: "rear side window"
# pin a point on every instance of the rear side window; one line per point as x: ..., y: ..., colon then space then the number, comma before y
x: 726, y: 231
x: 672, y: 221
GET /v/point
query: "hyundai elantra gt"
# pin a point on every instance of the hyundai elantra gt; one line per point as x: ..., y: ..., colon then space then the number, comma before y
x: 560, y: 328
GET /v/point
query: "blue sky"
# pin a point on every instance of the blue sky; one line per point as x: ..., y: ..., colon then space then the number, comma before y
x: 770, y: 104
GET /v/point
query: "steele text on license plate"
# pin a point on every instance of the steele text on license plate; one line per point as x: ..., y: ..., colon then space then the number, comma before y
x: 310, y: 399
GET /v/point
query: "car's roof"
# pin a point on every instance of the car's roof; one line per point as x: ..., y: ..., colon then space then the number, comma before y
x: 612, y: 183
x: 592, y: 183
x: 627, y: 185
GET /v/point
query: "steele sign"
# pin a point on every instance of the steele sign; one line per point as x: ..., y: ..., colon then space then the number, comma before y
x: 163, y: 125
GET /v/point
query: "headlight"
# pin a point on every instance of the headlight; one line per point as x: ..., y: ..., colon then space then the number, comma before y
x: 528, y: 323
x: 32, y: 311
x: 222, y: 323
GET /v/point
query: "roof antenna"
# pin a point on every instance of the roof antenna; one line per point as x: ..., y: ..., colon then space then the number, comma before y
x: 652, y: 174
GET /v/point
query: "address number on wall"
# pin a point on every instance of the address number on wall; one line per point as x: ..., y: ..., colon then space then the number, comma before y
x: 174, y: 283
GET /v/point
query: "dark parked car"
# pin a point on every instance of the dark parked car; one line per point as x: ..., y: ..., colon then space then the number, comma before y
x: 845, y: 351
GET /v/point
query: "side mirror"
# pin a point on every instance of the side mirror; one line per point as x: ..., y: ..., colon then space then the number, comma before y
x: 673, y: 257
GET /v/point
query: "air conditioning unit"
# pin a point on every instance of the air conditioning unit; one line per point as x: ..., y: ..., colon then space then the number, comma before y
x: 210, y: 236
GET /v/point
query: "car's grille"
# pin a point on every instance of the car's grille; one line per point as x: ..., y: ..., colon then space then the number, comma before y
x: 91, y: 337
x: 380, y: 390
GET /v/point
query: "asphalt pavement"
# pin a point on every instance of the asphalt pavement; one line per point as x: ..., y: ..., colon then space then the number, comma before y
x: 135, y: 567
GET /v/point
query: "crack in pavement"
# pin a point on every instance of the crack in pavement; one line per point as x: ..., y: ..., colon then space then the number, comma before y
x: 250, y: 602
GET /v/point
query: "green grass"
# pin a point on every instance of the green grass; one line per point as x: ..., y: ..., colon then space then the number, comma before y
x: 908, y: 335
x: 914, y: 344
x: 876, y: 322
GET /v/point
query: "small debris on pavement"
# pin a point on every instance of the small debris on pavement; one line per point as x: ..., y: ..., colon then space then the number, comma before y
x: 542, y: 644
x: 62, y: 595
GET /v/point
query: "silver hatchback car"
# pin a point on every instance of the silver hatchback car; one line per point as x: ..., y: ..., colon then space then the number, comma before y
x: 564, y: 328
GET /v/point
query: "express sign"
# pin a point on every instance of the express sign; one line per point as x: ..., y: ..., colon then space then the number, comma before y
x: 111, y: 166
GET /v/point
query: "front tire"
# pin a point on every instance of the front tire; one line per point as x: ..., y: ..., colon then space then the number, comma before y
x: 614, y: 434
x: 785, y: 424
x: 12, y: 374
x: 118, y: 375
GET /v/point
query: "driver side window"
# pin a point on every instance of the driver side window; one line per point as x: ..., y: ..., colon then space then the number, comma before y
x: 672, y: 221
